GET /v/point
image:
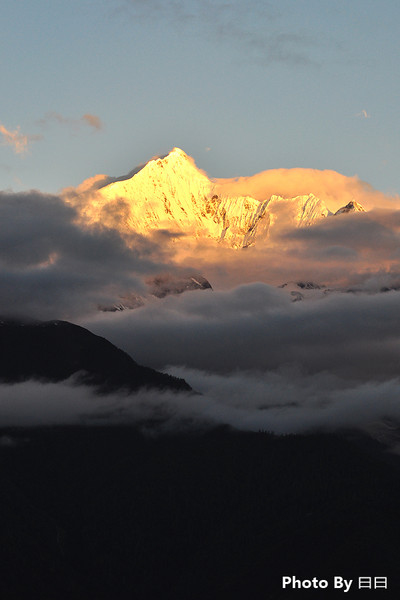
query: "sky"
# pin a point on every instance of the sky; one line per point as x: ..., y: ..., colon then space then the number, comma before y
x: 101, y: 86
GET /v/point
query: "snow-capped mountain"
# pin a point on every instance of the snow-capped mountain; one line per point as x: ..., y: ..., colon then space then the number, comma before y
x: 171, y: 193
x: 159, y: 286
x: 301, y: 211
x: 309, y: 290
x: 352, y: 206
x: 304, y: 290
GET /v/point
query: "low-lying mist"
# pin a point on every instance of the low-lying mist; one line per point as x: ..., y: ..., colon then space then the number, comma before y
x: 282, y: 402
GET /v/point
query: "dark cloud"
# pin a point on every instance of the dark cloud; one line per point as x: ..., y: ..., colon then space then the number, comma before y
x: 346, y: 250
x: 361, y: 232
x: 336, y: 253
x: 53, y: 268
x: 257, y: 328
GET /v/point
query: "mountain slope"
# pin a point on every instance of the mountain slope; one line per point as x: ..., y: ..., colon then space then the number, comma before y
x: 56, y: 350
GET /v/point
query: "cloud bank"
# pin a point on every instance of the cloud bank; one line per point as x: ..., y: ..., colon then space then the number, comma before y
x: 270, y: 402
x: 349, y: 250
x: 335, y: 251
x: 335, y: 189
x: 257, y: 328
x: 52, y: 265
x: 262, y: 361
x: 53, y: 268
x: 259, y: 360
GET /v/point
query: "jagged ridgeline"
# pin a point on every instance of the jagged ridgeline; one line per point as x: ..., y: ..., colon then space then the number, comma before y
x: 171, y: 193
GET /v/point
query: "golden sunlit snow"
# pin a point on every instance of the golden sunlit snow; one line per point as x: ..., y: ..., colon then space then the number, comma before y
x: 172, y: 194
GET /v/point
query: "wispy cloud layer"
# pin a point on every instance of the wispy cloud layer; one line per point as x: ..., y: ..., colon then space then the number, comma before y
x: 93, y: 121
x: 75, y: 124
x: 256, y: 27
x: 18, y: 141
x: 363, y: 115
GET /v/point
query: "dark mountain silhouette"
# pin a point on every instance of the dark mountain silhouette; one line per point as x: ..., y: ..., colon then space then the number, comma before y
x: 109, y: 513
x: 55, y: 350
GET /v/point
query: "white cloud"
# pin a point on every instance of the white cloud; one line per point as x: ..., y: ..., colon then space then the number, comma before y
x: 18, y: 141
x: 93, y: 121
x: 363, y: 115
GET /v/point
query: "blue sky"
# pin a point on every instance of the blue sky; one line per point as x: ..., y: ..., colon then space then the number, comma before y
x: 100, y: 86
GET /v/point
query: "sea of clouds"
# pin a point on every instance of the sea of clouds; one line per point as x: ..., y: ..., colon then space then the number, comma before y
x: 257, y: 359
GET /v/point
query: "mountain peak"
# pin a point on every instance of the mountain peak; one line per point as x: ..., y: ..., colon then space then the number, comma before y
x: 171, y: 193
x: 352, y: 206
x: 174, y: 156
x: 178, y: 152
x: 176, y: 164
